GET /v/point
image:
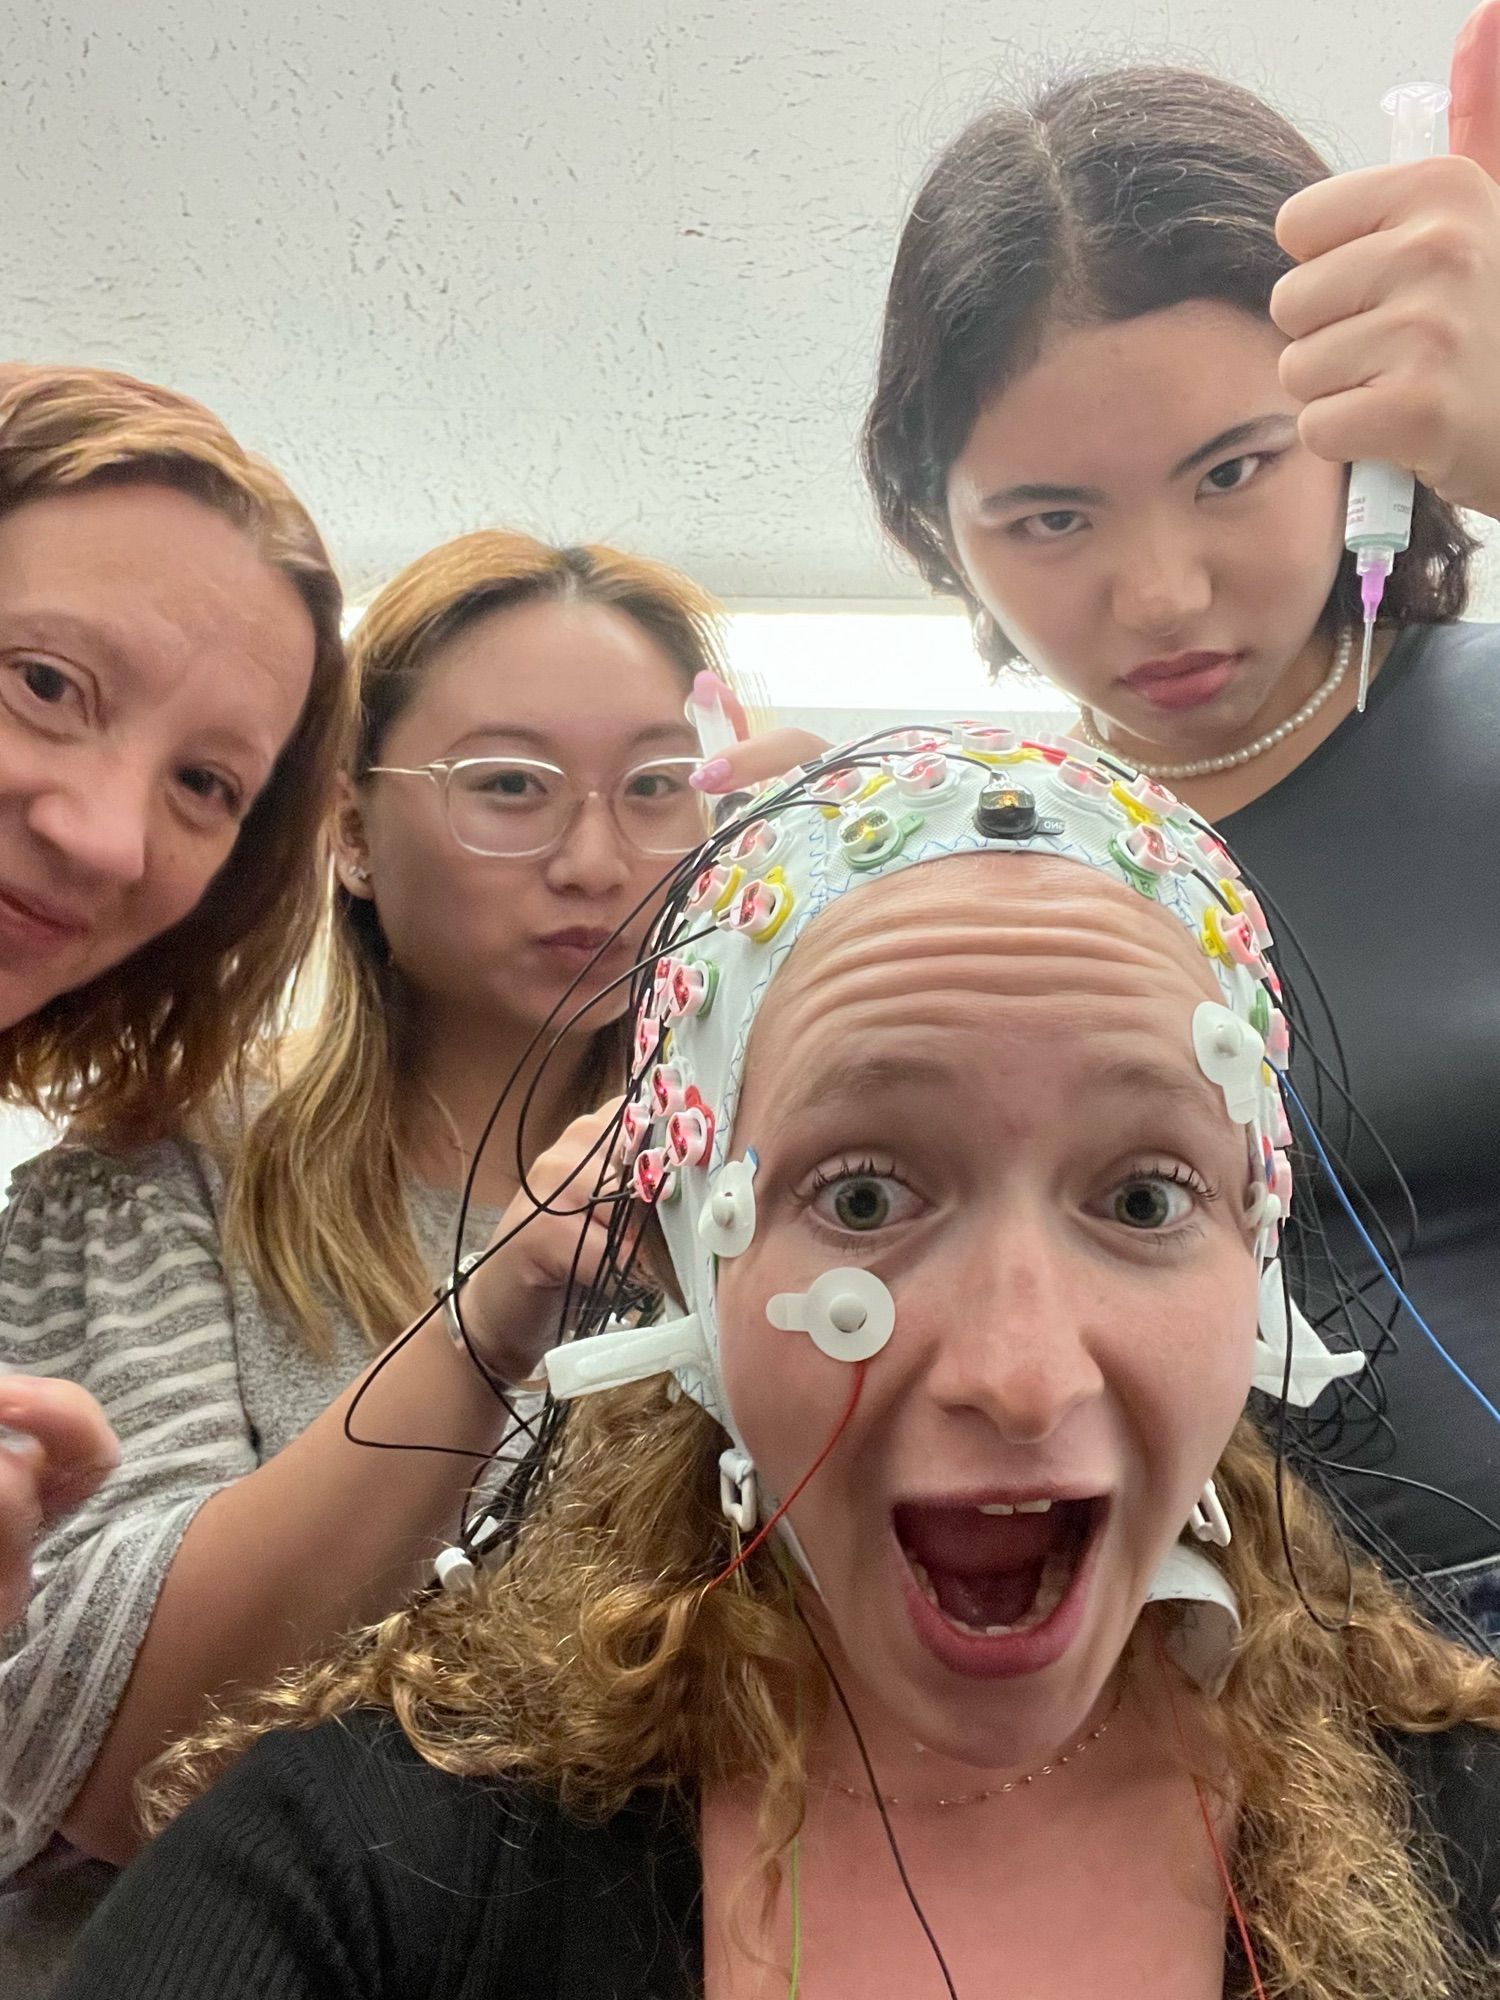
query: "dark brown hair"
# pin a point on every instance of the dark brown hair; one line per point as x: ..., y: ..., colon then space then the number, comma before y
x: 1105, y: 197
x: 135, y: 1052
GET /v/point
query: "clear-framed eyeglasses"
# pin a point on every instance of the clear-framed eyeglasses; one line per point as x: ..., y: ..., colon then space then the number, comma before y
x: 520, y: 807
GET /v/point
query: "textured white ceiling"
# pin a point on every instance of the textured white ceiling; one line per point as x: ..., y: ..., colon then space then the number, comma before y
x: 605, y: 268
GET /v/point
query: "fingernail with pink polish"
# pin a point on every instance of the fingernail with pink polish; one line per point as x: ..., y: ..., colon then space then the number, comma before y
x: 710, y: 777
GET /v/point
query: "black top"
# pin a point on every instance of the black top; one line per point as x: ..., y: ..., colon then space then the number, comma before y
x: 333, y: 1864
x: 1383, y: 852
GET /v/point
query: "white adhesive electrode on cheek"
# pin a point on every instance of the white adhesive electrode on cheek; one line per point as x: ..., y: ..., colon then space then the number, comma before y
x: 849, y: 1315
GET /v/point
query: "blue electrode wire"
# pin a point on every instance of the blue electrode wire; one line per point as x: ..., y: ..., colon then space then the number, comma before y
x: 1364, y: 1236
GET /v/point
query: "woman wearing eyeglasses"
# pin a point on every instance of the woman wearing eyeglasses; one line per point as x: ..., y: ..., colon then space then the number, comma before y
x: 519, y: 786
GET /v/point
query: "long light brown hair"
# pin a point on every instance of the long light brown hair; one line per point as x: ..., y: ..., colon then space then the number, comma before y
x: 593, y: 1663
x: 317, y: 1209
x: 139, y: 1049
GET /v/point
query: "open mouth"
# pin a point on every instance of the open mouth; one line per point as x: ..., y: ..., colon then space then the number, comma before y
x: 992, y: 1580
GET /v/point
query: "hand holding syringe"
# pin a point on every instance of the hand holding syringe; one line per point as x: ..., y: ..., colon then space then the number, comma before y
x: 1378, y: 525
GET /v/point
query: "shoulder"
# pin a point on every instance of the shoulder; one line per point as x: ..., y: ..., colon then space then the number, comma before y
x: 73, y: 1191
x: 1463, y: 657
x: 461, y: 1871
x: 1454, y: 1778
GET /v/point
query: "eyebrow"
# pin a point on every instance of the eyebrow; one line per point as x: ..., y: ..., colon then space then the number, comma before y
x: 540, y: 739
x: 42, y: 625
x: 859, y: 1077
x: 1258, y: 429
x: 861, y: 1080
x: 1158, y: 1081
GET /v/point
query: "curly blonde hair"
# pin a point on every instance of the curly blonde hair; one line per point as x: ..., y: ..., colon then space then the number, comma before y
x: 594, y: 1662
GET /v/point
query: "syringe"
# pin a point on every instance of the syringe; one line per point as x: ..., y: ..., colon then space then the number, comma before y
x: 1378, y: 526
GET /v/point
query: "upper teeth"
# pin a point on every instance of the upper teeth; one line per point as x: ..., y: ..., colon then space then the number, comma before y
x: 1019, y: 1507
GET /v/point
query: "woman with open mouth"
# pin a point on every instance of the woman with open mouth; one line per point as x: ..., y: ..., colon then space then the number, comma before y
x: 908, y: 1607
x: 1135, y: 333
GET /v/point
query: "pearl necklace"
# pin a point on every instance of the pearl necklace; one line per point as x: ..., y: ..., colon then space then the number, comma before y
x: 998, y: 1791
x: 1207, y: 767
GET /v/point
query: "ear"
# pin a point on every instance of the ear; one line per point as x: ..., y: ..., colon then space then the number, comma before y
x: 351, y: 854
x: 1474, y: 121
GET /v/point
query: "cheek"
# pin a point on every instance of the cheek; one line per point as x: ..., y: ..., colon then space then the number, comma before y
x: 1185, y: 1384
x: 1298, y: 537
x: 179, y: 871
x: 785, y: 1397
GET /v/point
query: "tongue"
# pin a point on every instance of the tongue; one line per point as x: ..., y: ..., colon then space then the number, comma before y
x: 994, y: 1598
x: 971, y: 1544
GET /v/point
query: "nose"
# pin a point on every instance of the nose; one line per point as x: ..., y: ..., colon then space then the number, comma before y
x: 1016, y: 1347
x: 592, y: 859
x: 1161, y: 582
x: 97, y: 819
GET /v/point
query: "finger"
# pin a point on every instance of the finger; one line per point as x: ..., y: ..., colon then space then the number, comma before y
x: 1346, y: 207
x: 79, y: 1448
x: 1474, y: 79
x: 1366, y: 422
x: 756, y: 759
x: 1335, y: 286
x: 1338, y: 210
x: 1370, y: 348
x: 21, y: 1514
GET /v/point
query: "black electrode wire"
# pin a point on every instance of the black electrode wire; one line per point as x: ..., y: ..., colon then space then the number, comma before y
x: 575, y: 1302
x: 673, y: 885
x: 1363, y: 1528
x: 604, y: 1144
x: 880, y: 1806
x: 600, y: 1300
x: 1282, y: 1526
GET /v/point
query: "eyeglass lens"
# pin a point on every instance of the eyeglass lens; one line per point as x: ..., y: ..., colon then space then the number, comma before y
x: 510, y: 805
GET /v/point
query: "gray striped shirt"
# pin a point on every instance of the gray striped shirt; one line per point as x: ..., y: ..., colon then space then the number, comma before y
x: 110, y: 1274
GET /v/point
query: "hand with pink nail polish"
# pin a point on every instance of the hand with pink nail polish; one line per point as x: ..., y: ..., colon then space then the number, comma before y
x: 752, y: 759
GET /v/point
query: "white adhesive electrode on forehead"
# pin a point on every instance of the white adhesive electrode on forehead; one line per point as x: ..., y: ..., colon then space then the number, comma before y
x: 848, y: 1315
x: 1231, y: 1054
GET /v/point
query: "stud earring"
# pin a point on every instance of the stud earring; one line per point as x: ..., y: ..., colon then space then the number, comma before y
x: 358, y: 873
x: 1208, y: 1520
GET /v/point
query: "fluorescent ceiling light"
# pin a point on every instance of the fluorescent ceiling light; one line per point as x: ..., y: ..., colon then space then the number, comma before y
x: 876, y: 660
x: 869, y: 661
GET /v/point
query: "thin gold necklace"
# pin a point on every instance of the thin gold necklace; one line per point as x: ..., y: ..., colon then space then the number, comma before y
x: 866, y: 1797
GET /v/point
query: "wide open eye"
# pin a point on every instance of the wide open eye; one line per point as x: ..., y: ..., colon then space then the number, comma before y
x: 1159, y: 1199
x: 862, y: 1198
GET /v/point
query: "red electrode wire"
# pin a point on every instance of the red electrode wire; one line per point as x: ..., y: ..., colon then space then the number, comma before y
x: 1240, y: 1923
x: 802, y: 1484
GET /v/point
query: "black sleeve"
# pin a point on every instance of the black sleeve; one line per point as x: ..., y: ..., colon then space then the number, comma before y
x: 1455, y: 1782
x: 276, y: 1884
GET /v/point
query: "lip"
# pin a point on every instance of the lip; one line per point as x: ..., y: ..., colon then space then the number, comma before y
x: 1006, y: 1656
x: 1186, y: 680
x: 38, y: 924
x: 578, y: 939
